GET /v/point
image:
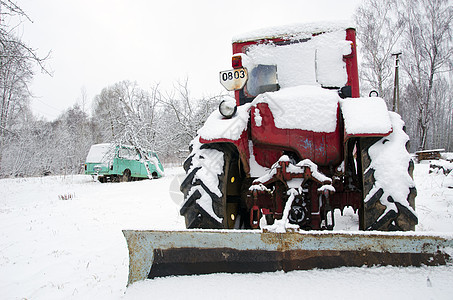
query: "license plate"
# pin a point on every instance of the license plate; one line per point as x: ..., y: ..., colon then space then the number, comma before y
x: 233, y: 79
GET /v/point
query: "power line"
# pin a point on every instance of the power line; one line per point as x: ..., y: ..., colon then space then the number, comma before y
x: 57, y: 109
x: 44, y: 114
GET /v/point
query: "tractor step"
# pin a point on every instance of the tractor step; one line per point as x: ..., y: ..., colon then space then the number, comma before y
x: 166, y: 253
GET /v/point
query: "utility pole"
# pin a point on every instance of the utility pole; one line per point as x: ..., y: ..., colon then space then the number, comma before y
x: 396, y: 88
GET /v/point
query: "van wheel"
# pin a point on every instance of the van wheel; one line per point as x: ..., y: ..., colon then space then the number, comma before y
x: 126, y: 176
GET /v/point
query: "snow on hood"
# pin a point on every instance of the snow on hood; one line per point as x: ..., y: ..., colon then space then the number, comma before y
x: 292, y: 31
x: 365, y: 115
x: 303, y: 107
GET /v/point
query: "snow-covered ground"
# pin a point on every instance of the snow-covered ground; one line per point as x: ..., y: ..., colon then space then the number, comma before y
x: 52, y: 248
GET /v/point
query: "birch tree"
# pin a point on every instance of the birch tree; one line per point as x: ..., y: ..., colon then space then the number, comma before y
x: 379, y: 28
x: 422, y: 29
x: 428, y: 52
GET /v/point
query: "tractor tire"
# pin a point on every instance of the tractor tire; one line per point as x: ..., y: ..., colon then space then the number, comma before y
x: 380, y: 209
x: 205, y: 187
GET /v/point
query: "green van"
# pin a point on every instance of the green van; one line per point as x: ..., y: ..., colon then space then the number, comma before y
x: 110, y: 162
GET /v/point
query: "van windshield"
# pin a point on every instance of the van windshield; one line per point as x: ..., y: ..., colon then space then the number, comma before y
x: 100, y: 153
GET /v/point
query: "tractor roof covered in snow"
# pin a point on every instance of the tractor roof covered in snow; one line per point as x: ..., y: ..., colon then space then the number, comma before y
x: 292, y: 31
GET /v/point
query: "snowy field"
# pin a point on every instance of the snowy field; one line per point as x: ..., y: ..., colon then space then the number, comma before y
x: 52, y: 248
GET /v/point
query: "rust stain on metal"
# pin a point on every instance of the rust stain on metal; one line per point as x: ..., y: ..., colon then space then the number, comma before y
x: 271, y: 239
x: 154, y: 254
x: 189, y: 261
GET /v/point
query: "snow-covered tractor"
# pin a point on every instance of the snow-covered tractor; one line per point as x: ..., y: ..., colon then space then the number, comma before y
x: 294, y: 144
x: 297, y: 141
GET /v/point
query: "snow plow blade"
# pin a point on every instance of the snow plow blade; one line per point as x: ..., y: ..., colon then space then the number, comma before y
x: 165, y: 253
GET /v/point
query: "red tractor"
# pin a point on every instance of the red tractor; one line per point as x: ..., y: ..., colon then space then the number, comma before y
x: 297, y: 141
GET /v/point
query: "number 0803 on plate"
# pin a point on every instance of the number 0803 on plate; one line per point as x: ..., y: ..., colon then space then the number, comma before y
x: 233, y: 79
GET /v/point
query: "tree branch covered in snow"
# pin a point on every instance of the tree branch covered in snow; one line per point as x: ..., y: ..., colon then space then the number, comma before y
x: 17, y: 60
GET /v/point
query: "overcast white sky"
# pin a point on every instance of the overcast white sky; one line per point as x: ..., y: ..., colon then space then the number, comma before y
x: 96, y: 43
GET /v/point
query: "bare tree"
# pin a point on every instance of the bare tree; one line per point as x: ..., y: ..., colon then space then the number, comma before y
x: 13, y: 47
x: 128, y: 114
x: 182, y: 117
x: 428, y: 44
x: 16, y: 70
x: 165, y: 122
x: 422, y: 29
x: 379, y: 27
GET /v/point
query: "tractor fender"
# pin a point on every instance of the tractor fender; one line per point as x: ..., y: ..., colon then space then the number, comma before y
x: 365, y: 117
x: 218, y: 129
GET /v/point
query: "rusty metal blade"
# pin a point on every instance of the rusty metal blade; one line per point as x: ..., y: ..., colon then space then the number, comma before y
x: 164, y: 253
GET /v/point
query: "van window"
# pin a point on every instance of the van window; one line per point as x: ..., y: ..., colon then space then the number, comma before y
x: 128, y: 153
x: 100, y: 153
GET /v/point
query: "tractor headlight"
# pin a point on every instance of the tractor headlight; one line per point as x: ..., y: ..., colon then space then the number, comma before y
x: 228, y: 107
